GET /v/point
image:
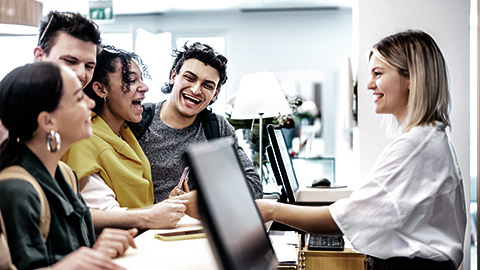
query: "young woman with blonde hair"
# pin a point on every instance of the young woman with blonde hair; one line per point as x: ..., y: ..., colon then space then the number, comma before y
x: 410, y: 212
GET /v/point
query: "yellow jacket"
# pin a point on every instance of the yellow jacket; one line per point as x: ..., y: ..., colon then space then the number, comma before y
x: 121, y: 163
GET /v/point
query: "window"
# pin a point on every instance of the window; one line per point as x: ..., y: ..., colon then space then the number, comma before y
x: 155, y: 51
x: 16, y: 51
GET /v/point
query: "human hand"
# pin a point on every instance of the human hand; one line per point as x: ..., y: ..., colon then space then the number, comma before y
x: 165, y: 214
x: 179, y: 191
x: 266, y: 208
x: 86, y: 259
x: 114, y: 242
x: 191, y: 203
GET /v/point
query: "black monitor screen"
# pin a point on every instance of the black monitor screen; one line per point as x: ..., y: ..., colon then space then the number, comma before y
x: 227, y: 208
x: 276, y: 173
x: 284, y: 162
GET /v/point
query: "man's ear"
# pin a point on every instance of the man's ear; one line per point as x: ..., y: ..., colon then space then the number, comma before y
x: 38, y: 54
x: 172, y: 76
x: 99, y: 89
x: 215, y: 96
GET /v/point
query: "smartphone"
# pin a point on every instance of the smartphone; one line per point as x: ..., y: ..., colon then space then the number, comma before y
x: 181, y: 235
x: 183, y: 177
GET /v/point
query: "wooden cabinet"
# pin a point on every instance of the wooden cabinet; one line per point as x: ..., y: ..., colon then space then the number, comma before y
x: 331, y: 260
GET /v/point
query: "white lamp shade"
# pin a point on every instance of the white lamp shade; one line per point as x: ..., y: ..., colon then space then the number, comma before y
x: 259, y: 93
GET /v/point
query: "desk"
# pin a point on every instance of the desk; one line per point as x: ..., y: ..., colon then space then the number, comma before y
x: 152, y: 253
x: 190, y: 254
x: 331, y: 260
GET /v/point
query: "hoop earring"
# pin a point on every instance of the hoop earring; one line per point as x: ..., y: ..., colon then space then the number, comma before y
x: 53, y: 136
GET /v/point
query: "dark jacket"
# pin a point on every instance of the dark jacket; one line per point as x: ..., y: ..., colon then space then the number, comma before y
x: 70, y: 227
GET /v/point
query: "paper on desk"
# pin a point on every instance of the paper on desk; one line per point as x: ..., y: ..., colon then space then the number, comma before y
x: 285, y: 246
x: 284, y: 237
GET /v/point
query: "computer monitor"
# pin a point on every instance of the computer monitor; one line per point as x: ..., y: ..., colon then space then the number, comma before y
x: 284, y: 162
x: 234, y: 226
x: 276, y: 173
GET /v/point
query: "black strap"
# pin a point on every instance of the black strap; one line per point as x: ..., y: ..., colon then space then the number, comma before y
x: 208, y: 118
x: 401, y: 263
x: 210, y: 124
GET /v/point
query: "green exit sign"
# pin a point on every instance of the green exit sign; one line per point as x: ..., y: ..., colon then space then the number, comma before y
x: 101, y: 10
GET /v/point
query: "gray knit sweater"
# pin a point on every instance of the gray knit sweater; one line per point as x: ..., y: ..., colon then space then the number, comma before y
x: 165, y: 146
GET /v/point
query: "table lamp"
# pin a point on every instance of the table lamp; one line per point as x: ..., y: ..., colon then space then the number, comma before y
x: 259, y: 95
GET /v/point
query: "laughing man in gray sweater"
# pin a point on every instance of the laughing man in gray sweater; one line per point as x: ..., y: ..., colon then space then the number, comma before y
x: 196, y: 77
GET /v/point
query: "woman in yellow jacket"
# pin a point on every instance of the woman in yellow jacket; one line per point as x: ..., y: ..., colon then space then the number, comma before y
x: 114, y: 172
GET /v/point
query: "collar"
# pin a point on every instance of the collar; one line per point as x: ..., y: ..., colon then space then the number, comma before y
x: 58, y: 192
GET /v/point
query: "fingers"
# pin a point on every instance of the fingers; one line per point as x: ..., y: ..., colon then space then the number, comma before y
x: 178, y: 207
x: 185, y: 186
x: 179, y: 192
x: 176, y: 200
x: 114, y: 242
x: 172, y: 194
x: 190, y: 196
x: 175, y: 204
x: 133, y: 232
x: 88, y: 259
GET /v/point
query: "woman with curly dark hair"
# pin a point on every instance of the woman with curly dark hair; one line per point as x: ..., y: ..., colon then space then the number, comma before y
x: 114, y: 172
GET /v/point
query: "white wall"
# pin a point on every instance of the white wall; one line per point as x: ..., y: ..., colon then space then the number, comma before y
x: 448, y: 22
x: 260, y: 41
x: 315, y: 40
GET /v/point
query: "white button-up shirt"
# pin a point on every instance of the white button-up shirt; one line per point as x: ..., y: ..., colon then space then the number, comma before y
x: 412, y: 204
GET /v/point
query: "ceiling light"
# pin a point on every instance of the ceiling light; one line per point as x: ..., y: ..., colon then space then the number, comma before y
x: 20, y: 17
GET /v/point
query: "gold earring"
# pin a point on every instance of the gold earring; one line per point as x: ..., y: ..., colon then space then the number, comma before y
x: 53, y: 136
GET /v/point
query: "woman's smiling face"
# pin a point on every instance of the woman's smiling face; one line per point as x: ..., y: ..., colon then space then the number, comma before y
x: 122, y: 104
x: 73, y: 112
x: 390, y: 89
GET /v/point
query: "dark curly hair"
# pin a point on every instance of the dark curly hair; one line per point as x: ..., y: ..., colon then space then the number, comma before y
x: 108, y: 60
x: 203, y: 53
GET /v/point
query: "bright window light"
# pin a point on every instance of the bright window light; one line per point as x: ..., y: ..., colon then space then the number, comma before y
x: 22, y: 46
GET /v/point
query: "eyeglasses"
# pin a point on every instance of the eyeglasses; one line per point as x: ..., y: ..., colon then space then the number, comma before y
x: 66, y: 15
x: 113, y: 50
x: 119, y: 53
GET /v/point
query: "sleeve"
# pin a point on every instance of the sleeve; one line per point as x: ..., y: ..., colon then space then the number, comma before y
x: 98, y: 195
x: 253, y: 179
x: 374, y: 208
x: 20, y: 207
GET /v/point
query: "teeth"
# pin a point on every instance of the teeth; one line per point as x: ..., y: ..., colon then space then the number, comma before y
x: 197, y: 101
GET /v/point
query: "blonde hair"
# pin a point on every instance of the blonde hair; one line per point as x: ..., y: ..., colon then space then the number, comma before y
x: 416, y: 56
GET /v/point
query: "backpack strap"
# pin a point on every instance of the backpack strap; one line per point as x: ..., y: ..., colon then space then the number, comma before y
x: 5, y: 259
x: 18, y: 172
x: 208, y: 118
x: 210, y: 124
x: 139, y: 129
x: 69, y: 175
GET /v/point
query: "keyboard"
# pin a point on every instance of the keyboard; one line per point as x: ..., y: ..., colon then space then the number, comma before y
x: 325, y: 242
